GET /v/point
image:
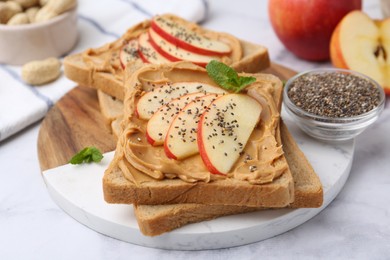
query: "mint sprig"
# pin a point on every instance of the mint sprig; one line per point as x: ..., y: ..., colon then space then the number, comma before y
x: 227, y: 77
x: 87, y: 155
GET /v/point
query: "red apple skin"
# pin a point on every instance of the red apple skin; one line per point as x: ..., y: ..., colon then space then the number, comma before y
x: 163, y: 53
x: 120, y: 60
x: 202, y: 150
x: 337, y: 57
x: 143, y: 58
x: 136, y: 114
x: 140, y: 54
x: 123, y: 66
x: 169, y: 56
x: 168, y: 153
x: 150, y: 139
x: 183, y: 44
x: 305, y: 27
x: 335, y: 51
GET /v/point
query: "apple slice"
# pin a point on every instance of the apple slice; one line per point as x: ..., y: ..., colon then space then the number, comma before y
x: 175, y: 53
x: 385, y: 32
x: 151, y: 101
x: 362, y: 44
x: 180, y: 35
x: 181, y: 138
x: 147, y: 53
x: 129, y: 52
x: 224, y: 130
x: 159, y: 123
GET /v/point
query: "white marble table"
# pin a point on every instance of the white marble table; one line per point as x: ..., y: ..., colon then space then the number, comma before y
x: 356, y: 225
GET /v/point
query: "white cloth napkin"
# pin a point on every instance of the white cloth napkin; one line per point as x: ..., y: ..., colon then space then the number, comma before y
x: 99, y: 22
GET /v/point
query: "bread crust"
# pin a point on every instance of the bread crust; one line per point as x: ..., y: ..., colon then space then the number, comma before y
x: 153, y: 222
x: 119, y: 190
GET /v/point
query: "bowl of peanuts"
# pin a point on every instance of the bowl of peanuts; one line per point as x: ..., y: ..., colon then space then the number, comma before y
x: 36, y: 29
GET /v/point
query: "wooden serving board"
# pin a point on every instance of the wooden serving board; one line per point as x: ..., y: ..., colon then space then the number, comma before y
x: 75, y: 122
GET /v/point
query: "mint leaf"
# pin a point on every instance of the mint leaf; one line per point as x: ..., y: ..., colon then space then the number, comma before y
x: 227, y: 77
x: 245, y: 81
x: 87, y: 155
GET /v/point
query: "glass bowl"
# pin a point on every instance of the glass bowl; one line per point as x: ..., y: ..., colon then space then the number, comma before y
x: 331, y: 128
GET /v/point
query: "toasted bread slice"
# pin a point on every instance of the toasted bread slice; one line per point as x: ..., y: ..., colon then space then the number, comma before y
x: 124, y: 183
x: 100, y: 68
x: 154, y: 220
x: 158, y: 219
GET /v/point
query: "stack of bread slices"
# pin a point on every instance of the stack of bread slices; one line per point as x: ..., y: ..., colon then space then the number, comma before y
x: 187, y: 149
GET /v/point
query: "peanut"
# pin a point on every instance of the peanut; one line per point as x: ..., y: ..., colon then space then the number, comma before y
x: 14, y: 6
x: 44, y: 14
x: 61, y: 6
x: 27, y: 3
x: 43, y: 2
x: 50, y: 9
x: 8, y: 9
x: 31, y: 13
x: 41, y: 72
x: 17, y: 19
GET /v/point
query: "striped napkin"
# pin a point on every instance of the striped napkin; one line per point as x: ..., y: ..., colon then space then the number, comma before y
x: 99, y: 22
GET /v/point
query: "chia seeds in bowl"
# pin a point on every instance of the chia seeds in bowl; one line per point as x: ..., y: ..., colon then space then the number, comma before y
x: 333, y: 104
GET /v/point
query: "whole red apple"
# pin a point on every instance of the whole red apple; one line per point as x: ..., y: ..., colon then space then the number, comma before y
x: 306, y: 26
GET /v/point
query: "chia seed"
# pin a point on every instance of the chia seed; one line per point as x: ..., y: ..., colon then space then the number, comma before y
x: 334, y: 94
x: 252, y: 168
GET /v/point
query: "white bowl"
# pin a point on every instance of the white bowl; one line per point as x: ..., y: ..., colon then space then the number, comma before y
x: 53, y: 38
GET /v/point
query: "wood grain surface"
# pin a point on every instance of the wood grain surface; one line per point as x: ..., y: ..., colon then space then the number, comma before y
x: 75, y: 122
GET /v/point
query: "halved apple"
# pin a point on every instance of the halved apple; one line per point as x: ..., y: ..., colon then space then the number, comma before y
x: 176, y: 53
x: 224, y: 130
x: 158, y: 124
x: 147, y: 53
x: 129, y: 52
x: 181, y: 138
x: 151, y: 101
x: 362, y: 44
x: 180, y: 35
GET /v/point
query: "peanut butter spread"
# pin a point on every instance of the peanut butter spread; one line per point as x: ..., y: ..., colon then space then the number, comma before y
x: 107, y: 57
x: 261, y: 160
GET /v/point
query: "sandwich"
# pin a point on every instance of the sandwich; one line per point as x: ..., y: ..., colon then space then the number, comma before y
x: 163, y: 39
x: 161, y: 158
x: 156, y: 219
